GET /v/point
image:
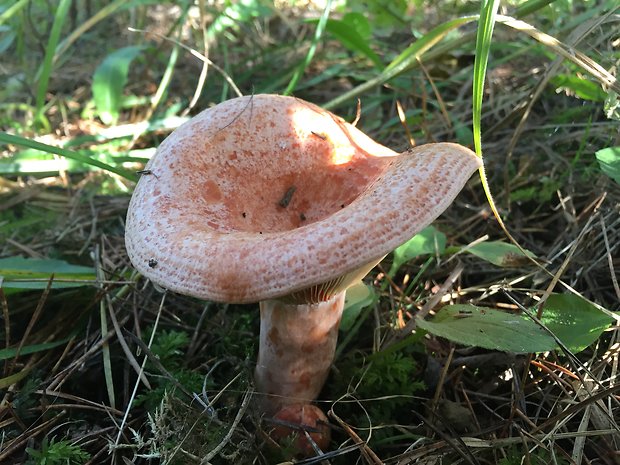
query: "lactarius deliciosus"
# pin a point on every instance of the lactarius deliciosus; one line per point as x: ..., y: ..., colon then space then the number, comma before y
x: 274, y: 200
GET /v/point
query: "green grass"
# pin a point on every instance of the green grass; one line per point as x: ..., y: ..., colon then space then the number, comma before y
x: 57, y: 453
x: 89, y: 368
x: 60, y: 15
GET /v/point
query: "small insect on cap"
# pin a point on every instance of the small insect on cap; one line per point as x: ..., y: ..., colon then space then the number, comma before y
x: 268, y: 196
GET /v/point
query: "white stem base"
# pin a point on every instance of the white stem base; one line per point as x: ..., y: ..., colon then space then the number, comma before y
x: 297, y: 345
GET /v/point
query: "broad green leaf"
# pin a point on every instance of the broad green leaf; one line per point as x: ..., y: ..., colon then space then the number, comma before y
x: 573, y: 320
x: 359, y: 22
x: 347, y: 32
x: 582, y: 88
x: 386, y: 15
x: 609, y: 161
x: 358, y: 297
x: 488, y: 328
x: 16, y: 271
x: 612, y: 106
x: 500, y: 253
x: 109, y: 81
x: 429, y: 241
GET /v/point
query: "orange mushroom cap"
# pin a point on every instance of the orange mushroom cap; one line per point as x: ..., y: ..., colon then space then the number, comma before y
x: 266, y: 196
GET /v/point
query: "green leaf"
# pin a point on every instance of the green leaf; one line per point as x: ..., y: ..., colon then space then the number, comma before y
x: 609, y: 161
x: 500, y: 253
x: 351, y: 31
x: 241, y: 11
x: 359, y: 22
x: 358, y: 297
x: 386, y: 15
x: 429, y: 241
x: 488, y: 328
x: 464, y: 134
x: 582, y: 88
x: 40, y: 271
x: 611, y: 107
x: 109, y: 81
x: 573, y: 320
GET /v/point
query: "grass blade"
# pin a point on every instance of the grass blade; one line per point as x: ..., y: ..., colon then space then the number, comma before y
x: 423, y: 48
x: 50, y: 51
x: 34, y: 273
x: 12, y: 10
x: 90, y: 22
x: 486, y: 23
x: 410, y: 55
x: 11, y: 352
x: 407, y: 60
x: 585, y: 62
x: 320, y: 27
x: 105, y: 348
x: 15, y: 377
x: 17, y: 140
x: 531, y: 6
x: 164, y: 83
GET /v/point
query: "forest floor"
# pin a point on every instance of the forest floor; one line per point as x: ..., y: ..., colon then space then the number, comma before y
x: 79, y: 324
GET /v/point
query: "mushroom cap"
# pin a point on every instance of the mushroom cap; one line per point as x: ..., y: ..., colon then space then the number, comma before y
x: 265, y: 196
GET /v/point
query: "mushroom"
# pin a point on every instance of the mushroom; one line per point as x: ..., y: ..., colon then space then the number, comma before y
x: 272, y: 199
x: 299, y: 419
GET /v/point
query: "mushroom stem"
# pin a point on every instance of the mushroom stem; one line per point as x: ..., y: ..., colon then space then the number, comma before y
x: 297, y: 345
